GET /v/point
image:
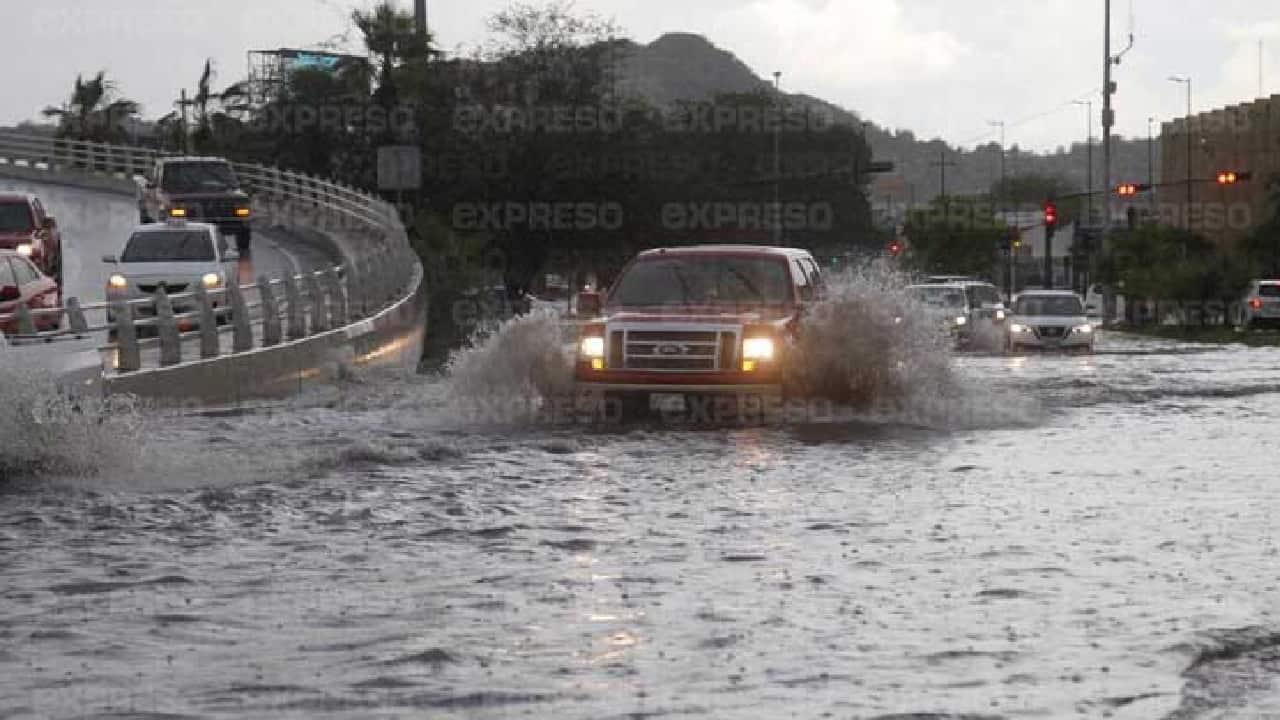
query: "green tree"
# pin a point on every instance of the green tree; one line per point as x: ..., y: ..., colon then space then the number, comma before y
x: 956, y: 235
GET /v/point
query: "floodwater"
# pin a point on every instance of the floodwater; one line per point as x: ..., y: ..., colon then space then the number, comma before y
x: 1071, y: 537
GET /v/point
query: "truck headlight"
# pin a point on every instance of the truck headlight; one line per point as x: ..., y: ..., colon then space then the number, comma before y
x: 117, y: 282
x: 242, y: 212
x: 26, y: 250
x: 961, y: 321
x: 1018, y: 329
x: 1083, y: 329
x: 591, y: 347
x: 757, y: 349
x: 177, y: 212
x: 211, y: 281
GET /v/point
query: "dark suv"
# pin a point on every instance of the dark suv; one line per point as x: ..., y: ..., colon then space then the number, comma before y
x: 197, y: 189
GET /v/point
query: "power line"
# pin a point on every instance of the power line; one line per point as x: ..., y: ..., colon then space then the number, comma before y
x: 1031, y: 118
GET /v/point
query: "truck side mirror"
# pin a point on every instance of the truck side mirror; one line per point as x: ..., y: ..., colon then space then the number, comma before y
x: 588, y: 303
x: 50, y: 223
x: 111, y: 259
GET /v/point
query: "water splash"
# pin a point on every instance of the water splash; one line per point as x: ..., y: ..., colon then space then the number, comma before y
x: 869, y: 342
x: 515, y: 368
x: 45, y: 430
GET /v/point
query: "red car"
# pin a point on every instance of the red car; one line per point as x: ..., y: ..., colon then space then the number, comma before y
x: 712, y: 320
x: 25, y: 227
x: 22, y: 283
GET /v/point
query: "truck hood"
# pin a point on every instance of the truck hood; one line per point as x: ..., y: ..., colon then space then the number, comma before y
x: 198, y: 196
x: 11, y: 240
x: 706, y: 315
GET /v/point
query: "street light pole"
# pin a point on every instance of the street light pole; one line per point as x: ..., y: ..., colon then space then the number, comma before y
x: 1186, y: 80
x: 1088, y: 134
x: 1151, y: 162
x: 1004, y: 191
x: 777, y: 162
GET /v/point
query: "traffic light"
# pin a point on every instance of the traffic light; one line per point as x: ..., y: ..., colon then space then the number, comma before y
x: 1126, y: 189
x: 1050, y: 214
x: 895, y: 248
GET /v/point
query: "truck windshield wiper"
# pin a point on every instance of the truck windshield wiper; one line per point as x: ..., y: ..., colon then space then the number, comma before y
x: 751, y: 288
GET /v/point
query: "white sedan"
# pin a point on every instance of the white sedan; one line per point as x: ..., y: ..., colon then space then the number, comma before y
x: 177, y: 256
x: 1050, y: 320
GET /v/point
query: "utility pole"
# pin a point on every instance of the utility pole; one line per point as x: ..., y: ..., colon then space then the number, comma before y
x: 185, y: 104
x: 420, y: 17
x: 942, y: 164
x: 1004, y: 191
x: 777, y: 161
x: 1108, y: 120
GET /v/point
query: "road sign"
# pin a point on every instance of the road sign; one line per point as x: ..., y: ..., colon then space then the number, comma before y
x: 399, y: 167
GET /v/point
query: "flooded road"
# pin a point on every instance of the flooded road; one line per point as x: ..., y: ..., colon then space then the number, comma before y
x: 1090, y: 537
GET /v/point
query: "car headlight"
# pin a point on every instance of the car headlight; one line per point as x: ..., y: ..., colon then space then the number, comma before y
x: 591, y: 347
x: 1083, y: 329
x: 177, y: 212
x: 211, y: 280
x: 1000, y: 316
x: 25, y: 250
x: 117, y: 282
x: 757, y: 349
x: 1019, y: 328
x: 962, y: 321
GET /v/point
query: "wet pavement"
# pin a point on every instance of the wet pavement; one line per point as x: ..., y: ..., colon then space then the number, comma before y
x: 1075, y: 537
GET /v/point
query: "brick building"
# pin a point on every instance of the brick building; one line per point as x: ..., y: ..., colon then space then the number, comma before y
x: 1242, y: 138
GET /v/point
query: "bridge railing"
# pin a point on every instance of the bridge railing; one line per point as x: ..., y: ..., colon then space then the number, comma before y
x: 377, y: 270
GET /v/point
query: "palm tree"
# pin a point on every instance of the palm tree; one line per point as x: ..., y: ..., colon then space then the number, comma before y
x: 391, y: 36
x: 93, y: 112
x: 214, y: 125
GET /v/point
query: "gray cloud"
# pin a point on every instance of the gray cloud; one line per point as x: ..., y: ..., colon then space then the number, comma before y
x: 937, y: 67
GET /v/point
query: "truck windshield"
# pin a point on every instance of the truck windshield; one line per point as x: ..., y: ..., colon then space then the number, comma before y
x: 169, y: 246
x: 1049, y: 305
x: 15, y: 217
x: 198, y: 177
x: 695, y: 280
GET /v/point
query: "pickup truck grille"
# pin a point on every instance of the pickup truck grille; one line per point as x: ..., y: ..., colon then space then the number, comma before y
x: 678, y: 350
x: 211, y: 209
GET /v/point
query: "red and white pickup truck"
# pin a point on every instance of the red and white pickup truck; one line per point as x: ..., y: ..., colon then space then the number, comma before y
x: 712, y: 320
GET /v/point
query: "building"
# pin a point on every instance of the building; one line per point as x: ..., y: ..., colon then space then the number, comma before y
x: 1244, y: 139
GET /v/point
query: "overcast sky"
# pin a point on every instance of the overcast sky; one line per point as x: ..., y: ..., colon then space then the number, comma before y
x: 941, y: 68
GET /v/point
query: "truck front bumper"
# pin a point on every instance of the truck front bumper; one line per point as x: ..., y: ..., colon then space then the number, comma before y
x: 711, y: 383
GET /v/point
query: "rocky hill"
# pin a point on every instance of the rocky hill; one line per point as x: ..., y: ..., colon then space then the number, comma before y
x: 683, y: 66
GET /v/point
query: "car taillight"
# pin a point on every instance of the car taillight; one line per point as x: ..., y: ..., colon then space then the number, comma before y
x: 1256, y: 303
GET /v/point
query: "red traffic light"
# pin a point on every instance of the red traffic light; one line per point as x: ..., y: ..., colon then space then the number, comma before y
x: 1050, y: 214
x: 895, y: 248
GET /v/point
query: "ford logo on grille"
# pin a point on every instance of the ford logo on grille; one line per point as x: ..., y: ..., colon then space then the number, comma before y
x: 673, y: 350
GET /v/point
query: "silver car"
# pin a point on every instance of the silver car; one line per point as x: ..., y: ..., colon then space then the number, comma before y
x: 177, y: 256
x: 1050, y: 320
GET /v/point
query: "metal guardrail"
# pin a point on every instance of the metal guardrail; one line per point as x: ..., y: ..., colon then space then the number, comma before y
x: 263, y: 314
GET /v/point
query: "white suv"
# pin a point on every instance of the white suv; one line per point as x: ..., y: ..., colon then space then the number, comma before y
x: 1050, y: 320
